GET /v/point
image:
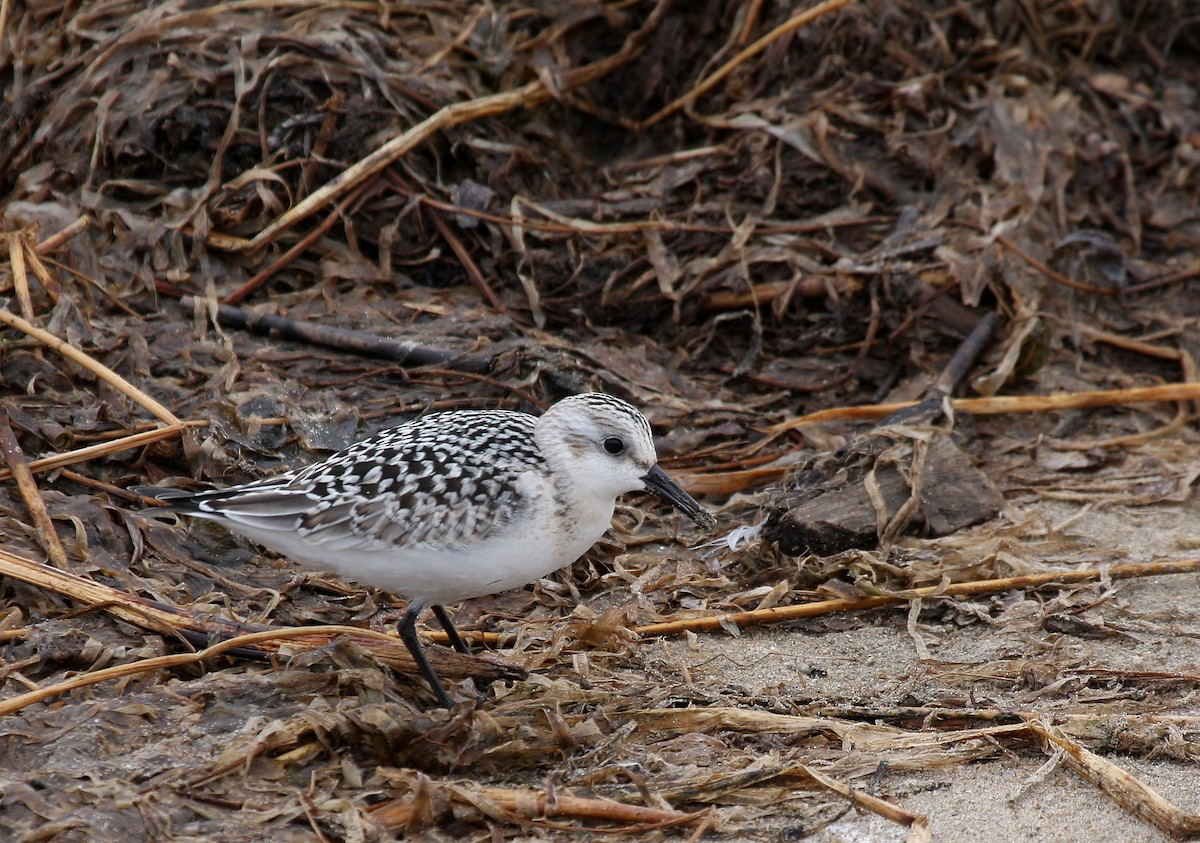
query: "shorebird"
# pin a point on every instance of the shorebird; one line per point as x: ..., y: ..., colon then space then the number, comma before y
x: 452, y: 505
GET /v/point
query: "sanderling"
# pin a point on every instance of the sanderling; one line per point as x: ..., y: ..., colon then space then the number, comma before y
x: 452, y: 505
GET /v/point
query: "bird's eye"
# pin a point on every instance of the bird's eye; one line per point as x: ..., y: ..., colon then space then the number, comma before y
x: 614, y: 445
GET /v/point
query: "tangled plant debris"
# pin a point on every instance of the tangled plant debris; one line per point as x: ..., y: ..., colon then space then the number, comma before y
x: 239, y: 236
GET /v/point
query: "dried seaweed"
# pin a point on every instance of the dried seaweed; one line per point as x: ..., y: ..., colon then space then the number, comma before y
x: 764, y: 225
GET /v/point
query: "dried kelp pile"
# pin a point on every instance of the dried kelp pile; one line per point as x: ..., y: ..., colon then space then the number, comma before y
x: 237, y: 236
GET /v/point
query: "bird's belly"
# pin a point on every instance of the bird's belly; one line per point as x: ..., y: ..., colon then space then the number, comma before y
x: 444, y: 575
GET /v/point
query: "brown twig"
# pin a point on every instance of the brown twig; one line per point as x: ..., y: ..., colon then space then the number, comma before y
x: 98, y: 369
x: 527, y: 96
x: 105, y: 449
x: 15, y: 458
x: 760, y: 295
x: 1175, y: 278
x: 38, y: 266
x: 1050, y: 273
x: 1161, y: 352
x: 965, y: 355
x: 178, y: 622
x: 1040, y: 266
x: 464, y: 257
x: 294, y: 252
x: 94, y: 677
x: 345, y: 339
x: 781, y: 614
x: 753, y: 10
x: 16, y: 259
x: 1132, y: 794
x: 464, y: 35
x: 529, y: 805
x: 796, y: 22
x: 1000, y: 404
x: 59, y: 238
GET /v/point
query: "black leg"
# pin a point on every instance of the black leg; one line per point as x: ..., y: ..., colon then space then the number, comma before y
x: 408, y: 634
x: 456, y: 641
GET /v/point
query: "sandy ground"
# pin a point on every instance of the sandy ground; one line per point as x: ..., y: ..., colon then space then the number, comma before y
x: 1011, y: 799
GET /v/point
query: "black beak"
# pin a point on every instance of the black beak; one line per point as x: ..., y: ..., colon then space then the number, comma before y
x: 659, y: 483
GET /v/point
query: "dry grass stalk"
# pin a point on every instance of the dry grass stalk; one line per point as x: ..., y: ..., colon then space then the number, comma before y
x: 803, y: 18
x: 528, y: 95
x: 166, y: 620
x: 712, y: 719
x: 37, y: 265
x: 15, y: 704
x: 105, y: 449
x: 1131, y: 793
x: 938, y: 714
x: 1000, y: 404
x: 1128, y: 791
x: 722, y: 300
x: 918, y: 825
x: 16, y: 258
x: 781, y: 614
x: 535, y: 807
x: 300, y: 247
x: 728, y: 482
x: 715, y: 787
x: 11, y: 449
x: 865, y: 737
x: 61, y: 237
x: 824, y: 607
x: 266, y: 640
x: 174, y: 621
x: 98, y: 369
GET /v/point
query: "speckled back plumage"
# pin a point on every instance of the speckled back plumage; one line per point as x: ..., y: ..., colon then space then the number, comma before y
x: 426, y: 482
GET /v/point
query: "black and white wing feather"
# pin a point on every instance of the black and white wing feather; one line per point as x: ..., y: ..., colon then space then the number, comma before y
x: 441, y: 482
